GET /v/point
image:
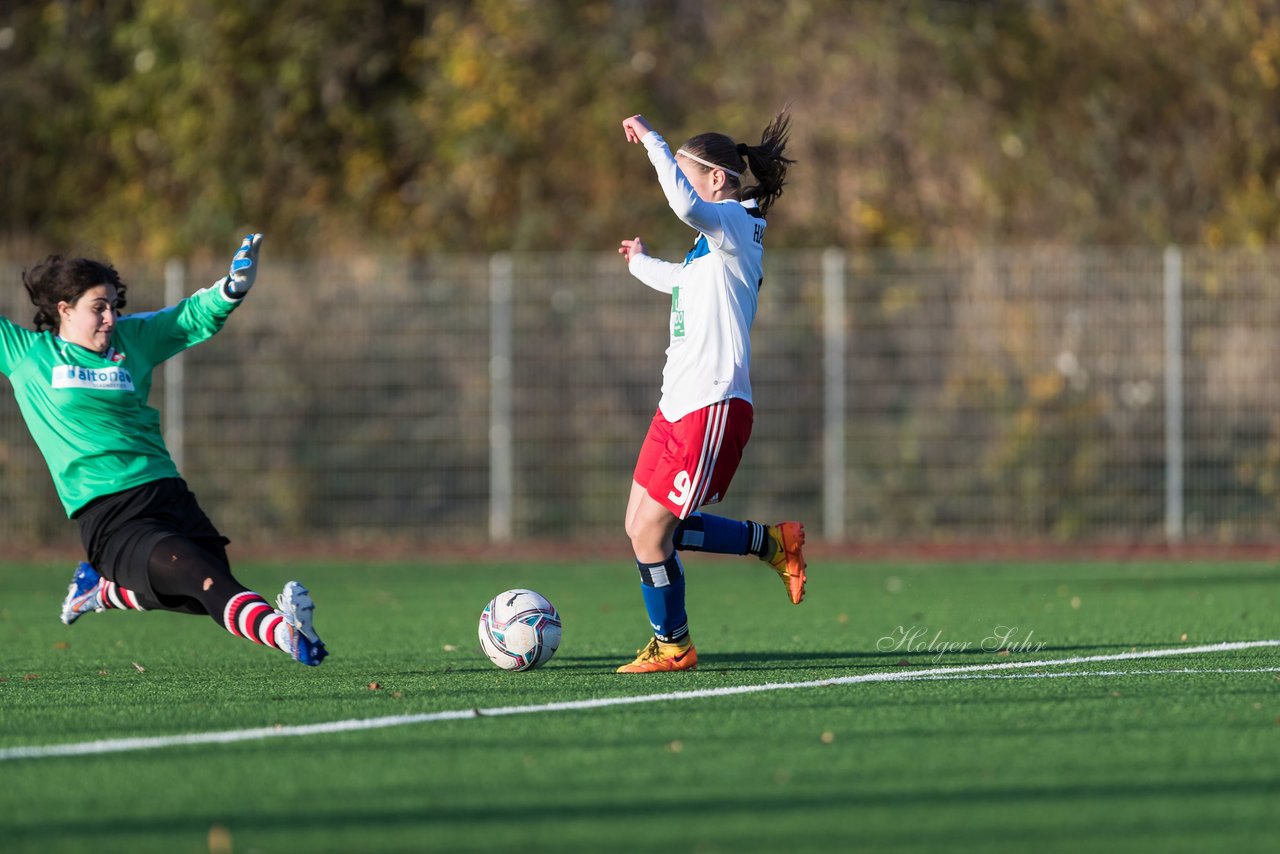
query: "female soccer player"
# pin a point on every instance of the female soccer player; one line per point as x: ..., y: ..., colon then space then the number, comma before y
x: 703, y: 421
x: 81, y: 380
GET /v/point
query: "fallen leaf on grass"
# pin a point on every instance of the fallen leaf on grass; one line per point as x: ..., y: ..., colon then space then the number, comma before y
x: 219, y: 840
x: 139, y: 667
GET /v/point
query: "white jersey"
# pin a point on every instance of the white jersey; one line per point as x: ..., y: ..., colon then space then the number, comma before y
x: 713, y: 293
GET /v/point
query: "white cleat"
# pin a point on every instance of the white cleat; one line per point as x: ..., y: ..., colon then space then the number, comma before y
x: 296, y: 634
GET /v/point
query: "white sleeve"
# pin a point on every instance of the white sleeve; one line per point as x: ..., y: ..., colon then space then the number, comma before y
x: 659, y: 275
x: 683, y: 199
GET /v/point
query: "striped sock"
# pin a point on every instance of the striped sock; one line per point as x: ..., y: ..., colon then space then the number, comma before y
x: 702, y: 532
x: 112, y: 595
x: 662, y: 585
x: 759, y: 543
x: 248, y: 615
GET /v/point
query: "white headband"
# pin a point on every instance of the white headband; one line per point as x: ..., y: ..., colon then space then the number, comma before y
x: 696, y: 159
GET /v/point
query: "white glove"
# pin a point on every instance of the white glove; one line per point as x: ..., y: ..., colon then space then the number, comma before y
x: 244, y: 268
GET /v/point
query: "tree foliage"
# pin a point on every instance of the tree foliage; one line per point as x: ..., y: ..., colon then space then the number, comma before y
x: 152, y: 127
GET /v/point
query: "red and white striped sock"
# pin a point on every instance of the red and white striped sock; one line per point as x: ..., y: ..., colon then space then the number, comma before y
x: 250, y: 616
x: 112, y: 595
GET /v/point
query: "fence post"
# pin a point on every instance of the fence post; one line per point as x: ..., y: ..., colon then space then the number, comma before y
x: 175, y: 280
x: 501, y: 452
x: 1173, y: 407
x: 833, y: 399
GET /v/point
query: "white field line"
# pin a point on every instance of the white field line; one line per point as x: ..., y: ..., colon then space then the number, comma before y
x: 1078, y: 673
x: 121, y: 745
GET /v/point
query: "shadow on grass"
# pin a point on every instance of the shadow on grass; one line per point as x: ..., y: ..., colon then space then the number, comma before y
x: 436, y: 813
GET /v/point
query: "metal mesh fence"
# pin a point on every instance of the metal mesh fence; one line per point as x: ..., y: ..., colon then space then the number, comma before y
x: 1020, y: 396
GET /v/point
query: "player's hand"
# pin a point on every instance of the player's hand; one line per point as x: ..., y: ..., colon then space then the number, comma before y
x: 630, y: 248
x: 635, y: 128
x: 244, y: 267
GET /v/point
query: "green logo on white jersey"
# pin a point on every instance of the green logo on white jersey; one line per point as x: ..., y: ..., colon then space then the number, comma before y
x: 677, y: 314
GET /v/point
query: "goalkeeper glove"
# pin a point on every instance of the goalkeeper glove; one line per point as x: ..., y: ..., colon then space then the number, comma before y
x: 244, y: 268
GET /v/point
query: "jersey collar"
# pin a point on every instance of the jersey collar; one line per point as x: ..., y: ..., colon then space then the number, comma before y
x: 111, y: 355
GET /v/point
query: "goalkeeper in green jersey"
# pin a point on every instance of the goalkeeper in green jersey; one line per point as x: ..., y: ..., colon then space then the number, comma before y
x: 81, y: 380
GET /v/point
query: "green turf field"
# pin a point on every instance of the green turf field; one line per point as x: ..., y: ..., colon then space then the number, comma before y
x: 1114, y: 755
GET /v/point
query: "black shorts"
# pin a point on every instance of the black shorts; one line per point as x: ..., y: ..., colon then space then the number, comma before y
x: 121, y: 530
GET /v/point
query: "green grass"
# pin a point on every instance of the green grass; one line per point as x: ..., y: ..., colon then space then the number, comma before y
x: 1157, y: 762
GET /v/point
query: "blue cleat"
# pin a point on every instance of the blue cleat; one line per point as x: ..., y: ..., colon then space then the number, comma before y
x: 296, y: 635
x: 83, y: 594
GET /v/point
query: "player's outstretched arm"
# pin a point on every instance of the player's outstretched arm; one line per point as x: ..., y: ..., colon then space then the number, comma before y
x: 244, y: 268
x: 162, y: 334
x: 659, y: 275
x: 681, y: 196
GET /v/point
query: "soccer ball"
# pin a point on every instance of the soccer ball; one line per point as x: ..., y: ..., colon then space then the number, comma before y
x: 519, y: 630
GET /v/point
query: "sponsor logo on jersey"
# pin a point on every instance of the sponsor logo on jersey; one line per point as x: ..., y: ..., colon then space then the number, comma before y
x: 677, y: 314
x: 100, y: 379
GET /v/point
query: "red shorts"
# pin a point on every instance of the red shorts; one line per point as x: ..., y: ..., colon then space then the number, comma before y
x: 690, y: 462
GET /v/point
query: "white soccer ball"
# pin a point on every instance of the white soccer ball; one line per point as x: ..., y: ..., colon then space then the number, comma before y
x: 519, y: 630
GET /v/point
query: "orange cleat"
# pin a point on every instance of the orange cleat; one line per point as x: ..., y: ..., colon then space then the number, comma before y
x: 659, y: 657
x: 788, y: 558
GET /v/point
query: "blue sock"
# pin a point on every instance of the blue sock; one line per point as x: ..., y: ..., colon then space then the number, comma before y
x: 702, y: 532
x: 663, y: 587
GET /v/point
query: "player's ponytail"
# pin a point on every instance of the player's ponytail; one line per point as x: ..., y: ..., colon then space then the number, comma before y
x: 57, y: 279
x: 767, y: 161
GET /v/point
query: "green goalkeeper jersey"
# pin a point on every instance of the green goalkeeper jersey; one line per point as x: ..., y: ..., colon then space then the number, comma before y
x: 88, y: 411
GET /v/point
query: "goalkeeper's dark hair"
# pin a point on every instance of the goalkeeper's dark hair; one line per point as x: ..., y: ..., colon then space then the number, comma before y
x: 767, y: 161
x: 57, y: 279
